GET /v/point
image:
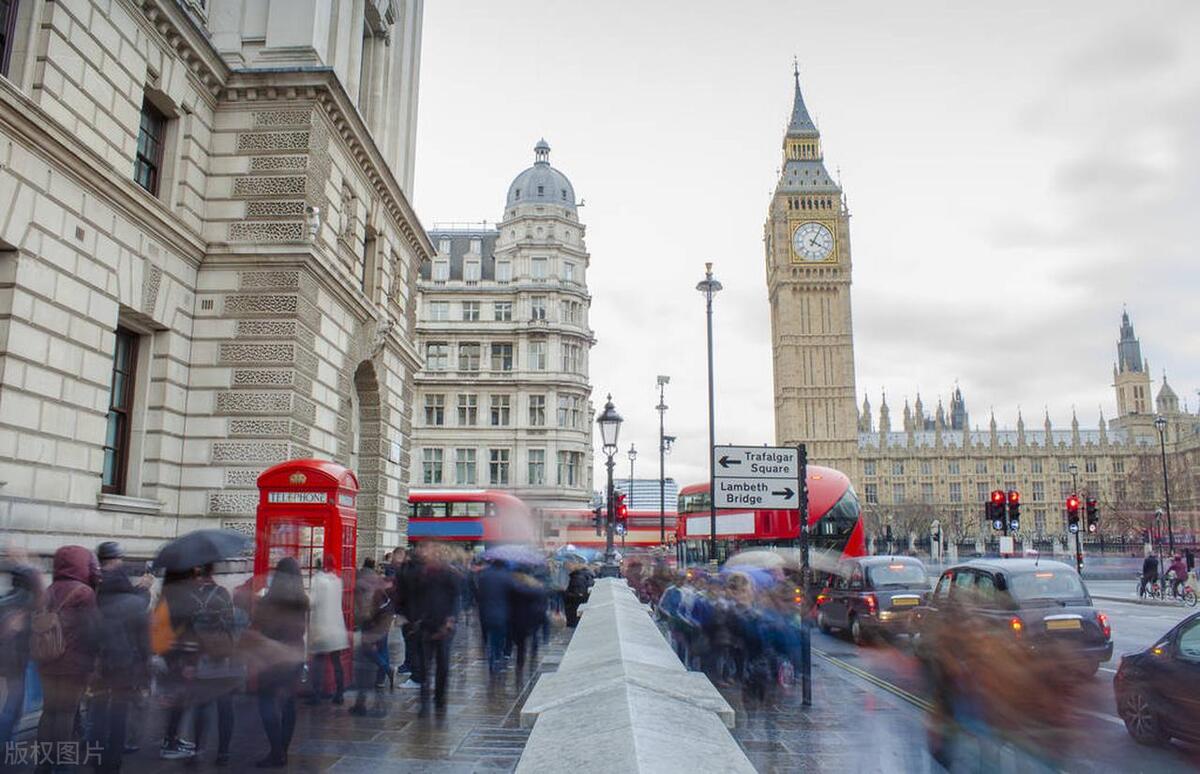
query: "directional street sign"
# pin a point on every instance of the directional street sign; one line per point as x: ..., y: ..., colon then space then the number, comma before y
x: 756, y: 477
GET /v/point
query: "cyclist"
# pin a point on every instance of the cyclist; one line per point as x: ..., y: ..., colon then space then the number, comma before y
x: 1178, y: 574
x: 1149, y: 574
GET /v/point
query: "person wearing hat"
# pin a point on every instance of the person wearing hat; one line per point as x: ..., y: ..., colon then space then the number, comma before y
x: 123, y: 654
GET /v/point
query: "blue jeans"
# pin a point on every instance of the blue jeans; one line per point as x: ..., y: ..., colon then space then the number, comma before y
x: 10, y: 712
x: 497, y: 641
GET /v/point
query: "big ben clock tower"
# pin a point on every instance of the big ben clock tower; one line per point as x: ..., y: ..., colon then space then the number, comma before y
x: 807, y: 240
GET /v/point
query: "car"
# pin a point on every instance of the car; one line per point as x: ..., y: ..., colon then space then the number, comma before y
x: 1158, y: 689
x: 872, y: 595
x: 1041, y: 603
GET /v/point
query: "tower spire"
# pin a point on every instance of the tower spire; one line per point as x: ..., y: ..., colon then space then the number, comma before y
x: 801, y: 124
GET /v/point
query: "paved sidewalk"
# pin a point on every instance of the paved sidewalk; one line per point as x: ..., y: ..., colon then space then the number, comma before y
x: 480, y: 731
x: 1125, y: 591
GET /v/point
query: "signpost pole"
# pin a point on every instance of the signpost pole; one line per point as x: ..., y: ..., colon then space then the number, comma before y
x: 806, y: 581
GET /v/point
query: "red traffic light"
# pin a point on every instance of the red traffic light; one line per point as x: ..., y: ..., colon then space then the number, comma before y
x: 622, y: 509
x: 998, y: 497
x: 1073, y: 503
x: 1014, y: 497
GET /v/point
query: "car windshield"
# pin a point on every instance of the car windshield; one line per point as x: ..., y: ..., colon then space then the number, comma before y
x: 897, y: 574
x: 1046, y: 584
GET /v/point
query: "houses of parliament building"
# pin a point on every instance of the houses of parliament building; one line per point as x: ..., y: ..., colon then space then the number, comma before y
x: 931, y: 464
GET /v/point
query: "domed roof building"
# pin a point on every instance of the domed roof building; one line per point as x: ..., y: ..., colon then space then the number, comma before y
x: 541, y: 183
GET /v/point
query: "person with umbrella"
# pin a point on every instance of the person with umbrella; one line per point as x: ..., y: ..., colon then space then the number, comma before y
x: 282, y: 617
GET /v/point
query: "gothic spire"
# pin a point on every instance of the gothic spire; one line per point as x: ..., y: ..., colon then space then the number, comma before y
x: 1129, y: 349
x: 801, y: 124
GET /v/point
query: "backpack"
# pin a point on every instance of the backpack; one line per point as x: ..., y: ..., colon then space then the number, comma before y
x: 162, y: 634
x: 213, y: 622
x: 46, y: 641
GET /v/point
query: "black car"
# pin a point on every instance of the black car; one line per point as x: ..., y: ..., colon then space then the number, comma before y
x: 873, y: 595
x: 1158, y: 689
x: 1043, y: 604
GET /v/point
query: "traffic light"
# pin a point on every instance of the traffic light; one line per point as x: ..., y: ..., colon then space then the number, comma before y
x: 622, y: 509
x: 995, y: 509
x: 598, y: 519
x: 1093, y: 515
x: 1073, y: 513
x: 1014, y: 510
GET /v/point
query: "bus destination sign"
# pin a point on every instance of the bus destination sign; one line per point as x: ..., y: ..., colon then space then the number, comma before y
x: 756, y: 477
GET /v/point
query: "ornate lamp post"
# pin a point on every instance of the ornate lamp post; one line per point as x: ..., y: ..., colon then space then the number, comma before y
x: 632, y: 456
x: 662, y: 460
x: 710, y: 287
x: 1160, y: 424
x: 610, y: 427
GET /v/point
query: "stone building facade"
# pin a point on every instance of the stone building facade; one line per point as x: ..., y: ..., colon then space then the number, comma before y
x: 208, y: 260
x: 503, y: 399
x: 931, y: 465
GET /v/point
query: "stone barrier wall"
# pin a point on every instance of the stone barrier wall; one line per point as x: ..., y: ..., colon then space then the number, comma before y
x: 622, y: 701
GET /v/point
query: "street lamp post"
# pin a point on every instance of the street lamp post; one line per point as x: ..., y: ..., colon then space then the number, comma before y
x: 610, y: 427
x: 1160, y: 424
x: 632, y: 457
x: 710, y: 287
x: 663, y: 381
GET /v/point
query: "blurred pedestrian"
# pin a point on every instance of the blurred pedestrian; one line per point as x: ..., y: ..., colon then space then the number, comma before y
x: 579, y: 584
x: 123, y: 654
x: 437, y: 609
x: 17, y: 608
x: 1149, y: 574
x: 281, y: 616
x: 492, y: 597
x: 1190, y: 559
x: 527, y: 613
x: 407, y: 579
x: 372, y: 619
x: 63, y: 642
x: 327, y: 638
x: 215, y: 624
x: 172, y: 640
x: 1177, y: 572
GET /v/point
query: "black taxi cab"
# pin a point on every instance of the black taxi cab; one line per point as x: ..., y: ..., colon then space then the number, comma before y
x: 873, y: 595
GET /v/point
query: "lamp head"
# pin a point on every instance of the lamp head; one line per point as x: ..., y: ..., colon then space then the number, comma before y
x: 610, y: 426
x: 1160, y: 423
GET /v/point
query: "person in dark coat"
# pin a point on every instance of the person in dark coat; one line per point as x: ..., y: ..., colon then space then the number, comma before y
x: 493, y: 591
x: 214, y: 626
x: 282, y: 616
x: 16, y: 615
x: 1149, y: 574
x: 436, y: 607
x: 373, y: 613
x: 72, y: 596
x: 527, y: 613
x: 579, y: 585
x: 407, y: 581
x: 123, y: 654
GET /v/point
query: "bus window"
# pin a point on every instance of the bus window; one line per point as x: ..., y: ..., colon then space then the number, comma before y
x: 427, y: 510
x: 837, y: 524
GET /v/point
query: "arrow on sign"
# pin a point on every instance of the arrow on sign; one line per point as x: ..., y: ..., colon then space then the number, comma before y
x: 786, y: 493
x: 726, y: 462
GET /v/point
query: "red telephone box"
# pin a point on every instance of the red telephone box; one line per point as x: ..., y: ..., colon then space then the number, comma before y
x: 307, y: 510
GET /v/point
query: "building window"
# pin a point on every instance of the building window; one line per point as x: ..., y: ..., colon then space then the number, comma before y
x: 981, y: 492
x: 1118, y: 465
x: 476, y: 246
x: 1064, y: 466
x: 501, y: 408
x: 1009, y: 466
x: 470, y: 311
x: 981, y: 467
x: 537, y: 467
x: 471, y: 272
x: 469, y: 357
x: 120, y: 412
x: 1039, y: 491
x: 570, y: 465
x: 926, y: 493
x: 897, y: 493
x: 8, y: 25
x: 869, y: 468
x: 502, y: 357
x: 1035, y: 466
x: 872, y: 494
x: 1089, y: 466
x: 147, y: 165
x: 504, y: 272
x: 537, y: 308
x: 897, y: 468
x: 435, y: 410
x: 441, y: 271
x: 444, y: 246
x: 926, y: 468
x: 464, y: 467
x: 468, y: 409
x: 431, y: 466
x: 498, y: 466
x: 502, y: 311
x: 537, y: 269
x: 952, y: 467
x: 439, y: 311
x: 568, y: 271
x: 955, y: 492
x: 437, y: 356
x: 571, y: 358
x: 537, y: 356
x: 537, y: 410
x: 1039, y: 522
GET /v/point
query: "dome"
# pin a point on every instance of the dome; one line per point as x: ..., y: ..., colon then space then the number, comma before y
x: 541, y: 183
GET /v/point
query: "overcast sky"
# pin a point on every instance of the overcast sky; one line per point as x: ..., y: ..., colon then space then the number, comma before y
x: 1015, y: 171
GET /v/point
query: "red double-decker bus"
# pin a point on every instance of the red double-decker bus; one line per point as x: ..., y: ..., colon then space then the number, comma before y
x: 474, y: 517
x: 834, y: 520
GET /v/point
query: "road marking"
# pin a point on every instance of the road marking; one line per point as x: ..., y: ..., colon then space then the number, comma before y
x: 1106, y: 669
x: 879, y: 682
x: 1102, y: 716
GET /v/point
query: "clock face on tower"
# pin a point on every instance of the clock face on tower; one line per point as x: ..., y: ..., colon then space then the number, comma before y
x: 812, y: 242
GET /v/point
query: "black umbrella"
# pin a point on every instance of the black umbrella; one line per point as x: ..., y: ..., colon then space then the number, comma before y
x: 201, y: 547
